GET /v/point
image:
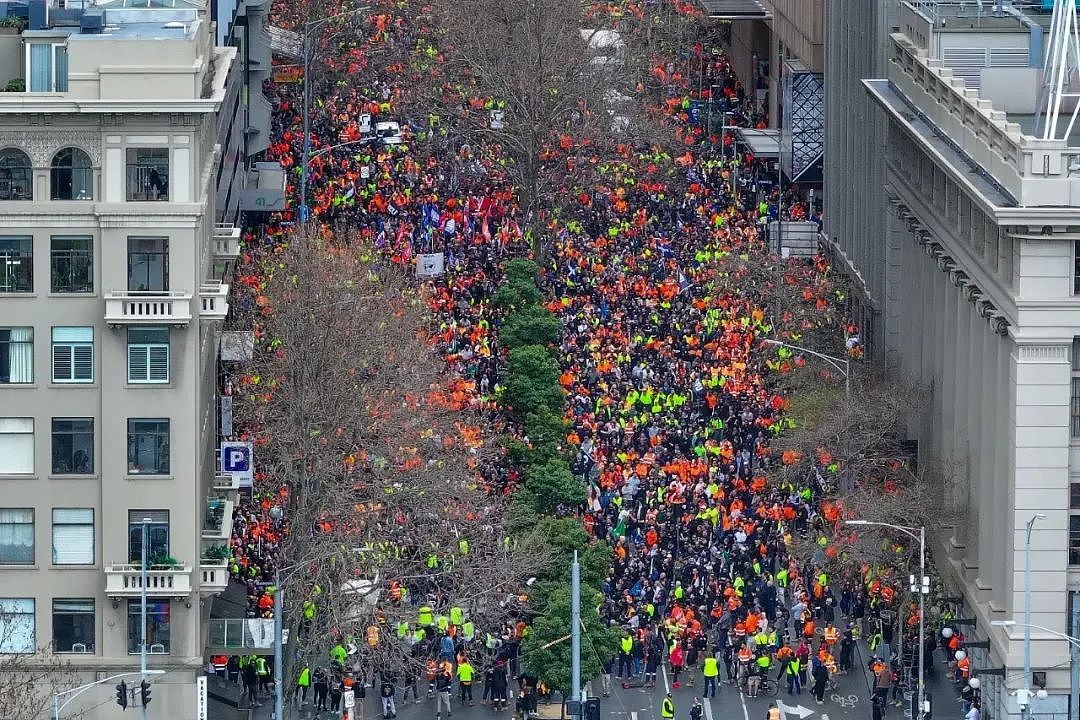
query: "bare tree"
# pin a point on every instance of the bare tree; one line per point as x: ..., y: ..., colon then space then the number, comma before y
x: 28, y: 681
x: 383, y: 467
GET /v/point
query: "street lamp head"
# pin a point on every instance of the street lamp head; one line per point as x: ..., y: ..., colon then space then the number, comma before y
x: 1040, y: 516
x: 856, y: 522
x: 1002, y: 623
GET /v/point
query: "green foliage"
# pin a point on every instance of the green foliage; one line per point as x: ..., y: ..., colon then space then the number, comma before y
x: 534, y: 325
x: 521, y: 270
x: 564, y: 535
x: 553, y: 484
x: 546, y: 431
x: 516, y: 295
x: 552, y: 664
x: 15, y: 85
x: 533, y: 382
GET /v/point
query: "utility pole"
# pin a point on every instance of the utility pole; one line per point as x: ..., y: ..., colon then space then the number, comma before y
x: 279, y: 694
x: 1025, y: 709
x: 142, y: 613
x: 575, y: 631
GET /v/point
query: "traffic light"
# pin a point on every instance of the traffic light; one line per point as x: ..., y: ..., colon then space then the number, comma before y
x: 144, y: 690
x: 592, y: 709
x: 121, y: 695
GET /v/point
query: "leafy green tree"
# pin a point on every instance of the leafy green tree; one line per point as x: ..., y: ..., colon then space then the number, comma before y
x: 516, y: 294
x: 521, y: 270
x: 535, y: 325
x: 564, y: 535
x: 533, y: 382
x: 553, y: 484
x: 547, y: 653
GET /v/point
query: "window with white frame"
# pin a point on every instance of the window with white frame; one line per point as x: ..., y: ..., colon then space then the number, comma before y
x: 16, y: 355
x: 148, y: 355
x: 73, y: 354
x: 16, y: 536
x: 47, y: 67
x: 16, y: 446
x: 73, y: 536
x: 17, y: 625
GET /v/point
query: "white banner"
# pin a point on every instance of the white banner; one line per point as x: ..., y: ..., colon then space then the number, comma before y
x: 430, y: 264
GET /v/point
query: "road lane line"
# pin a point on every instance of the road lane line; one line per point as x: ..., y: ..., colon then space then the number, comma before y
x: 746, y: 714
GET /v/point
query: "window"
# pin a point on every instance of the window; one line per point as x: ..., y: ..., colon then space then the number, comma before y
x: 48, y: 68
x: 148, y: 174
x: 73, y: 536
x: 148, y: 447
x: 73, y: 625
x: 16, y: 536
x: 16, y: 259
x: 73, y: 354
x: 17, y: 625
x: 1075, y: 409
x: 16, y: 446
x: 1074, y: 496
x: 148, y: 264
x: 16, y: 355
x: 71, y: 176
x: 1074, y: 539
x: 148, y: 354
x: 16, y: 175
x: 72, y: 264
x: 157, y: 626
x: 72, y: 446
x: 157, y: 530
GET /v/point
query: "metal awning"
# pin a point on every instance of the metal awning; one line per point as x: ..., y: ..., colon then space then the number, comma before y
x: 735, y: 9
x: 286, y: 43
x: 764, y: 144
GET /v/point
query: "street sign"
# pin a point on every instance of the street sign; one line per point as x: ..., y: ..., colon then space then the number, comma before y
x: 226, y: 416
x: 200, y: 703
x: 236, y: 460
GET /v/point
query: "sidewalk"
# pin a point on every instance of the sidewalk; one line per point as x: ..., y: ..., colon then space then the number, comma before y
x: 940, y: 690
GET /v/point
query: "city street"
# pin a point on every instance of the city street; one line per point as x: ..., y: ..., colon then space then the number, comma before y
x: 850, y: 701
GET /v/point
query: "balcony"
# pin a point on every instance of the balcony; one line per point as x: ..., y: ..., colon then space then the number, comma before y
x: 240, y: 634
x: 218, y: 522
x: 147, y: 307
x: 226, y: 482
x: 214, y: 576
x: 214, y: 298
x: 226, y: 242
x: 124, y: 580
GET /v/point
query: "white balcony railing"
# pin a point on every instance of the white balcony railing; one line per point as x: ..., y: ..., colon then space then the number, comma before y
x: 149, y: 307
x: 226, y: 242
x: 214, y: 298
x: 226, y: 482
x: 125, y: 580
x: 214, y: 576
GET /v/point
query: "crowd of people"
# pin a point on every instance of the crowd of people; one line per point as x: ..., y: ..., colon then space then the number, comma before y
x: 667, y: 384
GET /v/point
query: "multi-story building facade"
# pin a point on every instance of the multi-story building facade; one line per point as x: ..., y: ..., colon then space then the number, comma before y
x: 970, y: 285
x: 114, y: 277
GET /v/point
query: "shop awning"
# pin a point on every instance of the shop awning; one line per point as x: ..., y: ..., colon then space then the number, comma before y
x: 764, y: 144
x: 735, y: 9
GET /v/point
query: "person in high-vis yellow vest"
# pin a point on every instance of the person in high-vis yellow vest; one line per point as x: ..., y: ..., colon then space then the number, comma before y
x: 711, y: 671
x: 667, y: 709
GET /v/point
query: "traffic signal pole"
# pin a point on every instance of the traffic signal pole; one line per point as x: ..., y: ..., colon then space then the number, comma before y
x: 58, y: 707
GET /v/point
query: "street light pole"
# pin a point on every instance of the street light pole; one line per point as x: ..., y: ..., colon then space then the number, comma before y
x: 279, y: 693
x: 841, y: 364
x: 575, y: 632
x: 142, y: 595
x: 1025, y: 711
x: 922, y: 586
x: 303, y: 210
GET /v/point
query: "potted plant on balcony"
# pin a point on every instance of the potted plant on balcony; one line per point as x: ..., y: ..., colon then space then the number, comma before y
x: 164, y: 562
x: 12, y: 25
x: 217, y: 554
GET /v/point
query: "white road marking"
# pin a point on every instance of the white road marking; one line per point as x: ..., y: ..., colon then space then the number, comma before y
x: 708, y: 709
x: 746, y: 714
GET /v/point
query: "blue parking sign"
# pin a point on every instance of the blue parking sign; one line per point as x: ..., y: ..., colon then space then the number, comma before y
x: 236, y: 459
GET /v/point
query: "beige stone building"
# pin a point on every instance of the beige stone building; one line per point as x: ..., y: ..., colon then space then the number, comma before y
x: 114, y: 277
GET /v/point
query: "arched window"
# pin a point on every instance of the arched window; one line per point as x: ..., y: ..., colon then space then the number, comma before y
x: 72, y: 176
x: 16, y: 175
